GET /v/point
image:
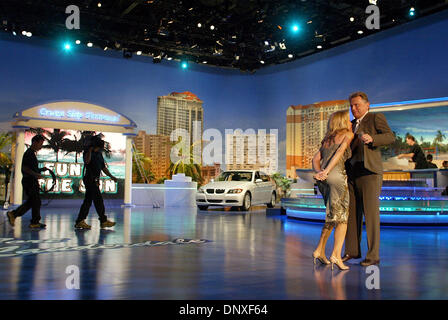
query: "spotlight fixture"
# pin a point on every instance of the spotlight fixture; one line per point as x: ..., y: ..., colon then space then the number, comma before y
x: 67, y: 46
x: 14, y: 33
x: 199, y: 25
x: 319, y: 47
x: 78, y: 41
x: 266, y: 43
x: 139, y: 53
x: 169, y: 58
x: 90, y: 44
x: 352, y: 19
x: 290, y: 56
x: 99, y: 4
x: 412, y: 12
x: 295, y: 28
x: 282, y: 46
x: 29, y: 34
x: 105, y: 48
x: 360, y: 32
x: 261, y: 61
x: 212, y: 27
x: 23, y: 33
x: 184, y: 65
x: 205, y: 62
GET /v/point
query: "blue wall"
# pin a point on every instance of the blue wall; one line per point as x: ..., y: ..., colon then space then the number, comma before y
x: 404, y: 63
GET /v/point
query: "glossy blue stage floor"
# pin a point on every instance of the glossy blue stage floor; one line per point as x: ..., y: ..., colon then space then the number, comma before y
x: 251, y: 256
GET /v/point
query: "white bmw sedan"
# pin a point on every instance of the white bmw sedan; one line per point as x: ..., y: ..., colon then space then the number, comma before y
x: 238, y: 188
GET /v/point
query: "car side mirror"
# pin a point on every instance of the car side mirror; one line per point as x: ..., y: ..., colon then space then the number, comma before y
x: 258, y: 180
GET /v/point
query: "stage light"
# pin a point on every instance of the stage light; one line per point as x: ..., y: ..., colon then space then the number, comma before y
x: 14, y: 33
x: 169, y: 58
x: 295, y: 28
x: 352, y: 19
x: 319, y: 47
x: 212, y: 27
x: 205, y: 62
x: 199, y: 25
x: 99, y: 4
x: 412, y: 12
x: 78, y: 41
x: 105, y: 48
x: 266, y: 43
x: 184, y: 65
x: 90, y: 44
x: 360, y: 32
x: 29, y: 34
x: 261, y: 61
x: 23, y: 33
x: 139, y: 53
x: 67, y: 46
x: 290, y: 56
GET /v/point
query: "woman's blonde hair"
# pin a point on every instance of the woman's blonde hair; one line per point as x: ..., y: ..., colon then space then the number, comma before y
x: 338, y: 123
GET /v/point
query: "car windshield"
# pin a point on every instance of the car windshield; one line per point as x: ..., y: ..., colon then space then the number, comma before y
x: 235, y: 176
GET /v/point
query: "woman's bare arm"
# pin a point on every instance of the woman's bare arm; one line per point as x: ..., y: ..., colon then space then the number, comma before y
x: 344, y: 145
x: 316, y: 162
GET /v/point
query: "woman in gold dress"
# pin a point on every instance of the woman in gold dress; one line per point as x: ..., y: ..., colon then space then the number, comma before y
x: 329, y: 165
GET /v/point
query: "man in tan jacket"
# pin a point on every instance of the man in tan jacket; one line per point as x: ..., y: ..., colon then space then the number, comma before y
x: 365, y: 178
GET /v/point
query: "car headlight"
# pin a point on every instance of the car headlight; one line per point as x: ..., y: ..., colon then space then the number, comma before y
x: 201, y: 190
x: 235, y: 191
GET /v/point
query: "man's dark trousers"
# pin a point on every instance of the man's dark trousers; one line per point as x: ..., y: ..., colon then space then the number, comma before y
x: 31, y: 188
x: 364, y: 189
x: 93, y: 193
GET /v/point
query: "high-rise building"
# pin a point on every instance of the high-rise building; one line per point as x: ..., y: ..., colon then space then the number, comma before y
x: 179, y: 110
x: 210, y: 172
x: 305, y: 128
x: 156, y: 147
x: 242, y: 152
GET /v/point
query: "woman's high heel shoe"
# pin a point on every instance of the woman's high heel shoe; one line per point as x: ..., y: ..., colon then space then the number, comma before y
x: 322, y: 260
x: 340, y: 265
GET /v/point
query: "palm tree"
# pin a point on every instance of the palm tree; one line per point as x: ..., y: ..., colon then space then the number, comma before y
x: 69, y: 146
x: 55, y: 141
x: 187, y: 165
x: 5, y: 142
x: 283, y: 184
x: 439, y: 137
x: 145, y: 164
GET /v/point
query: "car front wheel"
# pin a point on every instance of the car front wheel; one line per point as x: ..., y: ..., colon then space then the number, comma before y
x: 271, y: 204
x: 246, y: 202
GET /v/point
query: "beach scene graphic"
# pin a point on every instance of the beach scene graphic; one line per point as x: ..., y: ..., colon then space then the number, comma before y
x: 429, y: 128
x: 62, y: 152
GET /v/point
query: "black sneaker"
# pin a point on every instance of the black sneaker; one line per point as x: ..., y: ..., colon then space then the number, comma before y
x: 38, y: 226
x: 11, y: 217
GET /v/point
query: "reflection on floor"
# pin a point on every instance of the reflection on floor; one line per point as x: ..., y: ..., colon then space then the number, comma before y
x: 250, y: 256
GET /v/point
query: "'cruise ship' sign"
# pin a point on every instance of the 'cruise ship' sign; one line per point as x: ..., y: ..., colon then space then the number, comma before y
x: 78, y: 115
x: 72, y: 112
